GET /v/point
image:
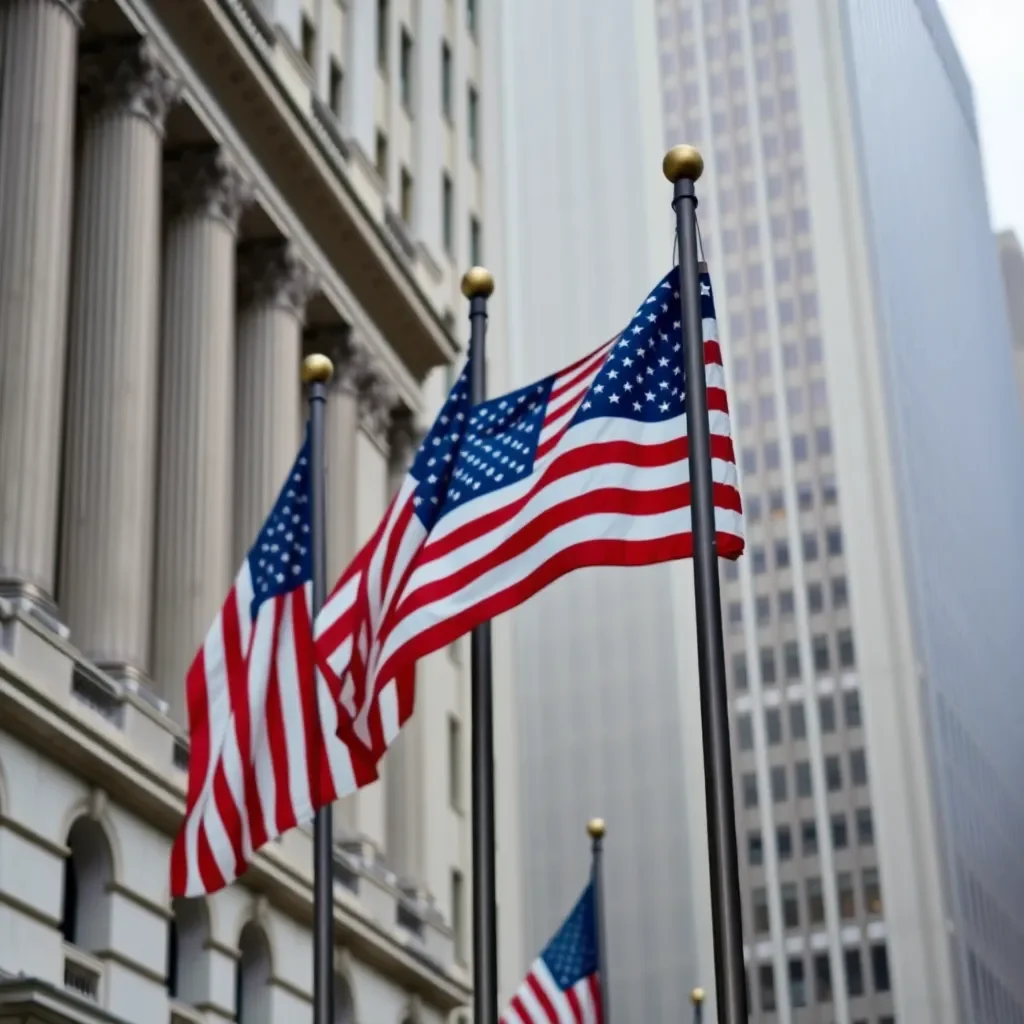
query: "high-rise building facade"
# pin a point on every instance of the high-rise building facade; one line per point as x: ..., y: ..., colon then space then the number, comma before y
x: 871, y: 626
x: 604, y: 659
x: 192, y: 194
x: 1011, y: 259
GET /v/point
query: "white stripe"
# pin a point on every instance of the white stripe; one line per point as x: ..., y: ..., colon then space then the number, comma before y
x: 337, y: 604
x: 292, y: 721
x: 559, y: 1000
x: 338, y: 755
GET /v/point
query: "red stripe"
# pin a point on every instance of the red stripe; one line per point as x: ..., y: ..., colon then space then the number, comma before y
x: 594, y: 984
x: 565, y: 383
x: 574, y: 1006
x: 520, y: 1007
x: 542, y: 998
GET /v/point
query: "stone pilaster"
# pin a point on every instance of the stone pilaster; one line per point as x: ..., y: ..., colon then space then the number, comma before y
x: 274, y: 286
x: 105, y: 584
x: 37, y: 113
x: 405, y: 808
x: 195, y: 477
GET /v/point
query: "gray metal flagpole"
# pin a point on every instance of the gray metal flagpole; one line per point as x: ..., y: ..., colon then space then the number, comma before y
x: 596, y: 831
x: 697, y: 998
x: 317, y: 370
x: 683, y: 166
x: 477, y: 286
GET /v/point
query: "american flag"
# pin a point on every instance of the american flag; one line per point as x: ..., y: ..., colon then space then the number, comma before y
x: 264, y: 752
x: 563, y: 986
x: 586, y: 467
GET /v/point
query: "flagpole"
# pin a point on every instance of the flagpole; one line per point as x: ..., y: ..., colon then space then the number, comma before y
x: 697, y: 998
x: 477, y: 286
x: 596, y: 831
x: 683, y: 166
x: 317, y: 370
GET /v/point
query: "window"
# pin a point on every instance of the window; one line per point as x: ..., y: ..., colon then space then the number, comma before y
x: 840, y: 836
x: 405, y: 70
x: 760, y: 903
x: 784, y: 842
x: 753, y: 508
x: 382, y: 34
x: 731, y: 570
x: 749, y: 460
x: 797, y: 722
x: 810, y: 546
x: 458, y: 915
x: 446, y: 80
x: 854, y: 973
x: 786, y: 311
x: 800, y: 446
x: 471, y: 17
x: 846, y: 896
x: 822, y: 978
x: 805, y: 496
x: 840, y: 598
x: 858, y: 768
x: 786, y: 607
x: 472, y: 126
x: 766, y: 983
x: 252, y: 975
x: 797, y: 984
x: 308, y: 34
x: 795, y: 404
x: 448, y: 214
x: 763, y: 610
x: 851, y: 709
x: 88, y: 872
x: 823, y: 441
x: 776, y: 504
x: 827, y: 714
x: 382, y: 155
x: 790, y: 356
x: 454, y: 763
x: 739, y: 671
x: 872, y: 891
x: 779, y: 788
x: 815, y: 901
x: 476, y: 256
x: 773, y: 726
x: 829, y: 491
x: 803, y: 779
x: 781, y: 554
x: 766, y: 410
x: 768, y: 665
x: 815, y: 598
x: 833, y: 773
x: 744, y: 733
x: 406, y: 196
x: 865, y: 826
x: 822, y: 658
x: 847, y: 658
x: 808, y: 838
x: 791, y: 650
x: 335, y: 84
x: 759, y: 561
x: 755, y: 848
x: 735, y: 615
x: 749, y: 789
x: 880, y: 968
x: 790, y: 906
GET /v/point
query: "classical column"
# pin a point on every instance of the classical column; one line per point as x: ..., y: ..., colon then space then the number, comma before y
x: 105, y: 585
x: 37, y: 111
x: 195, y: 477
x: 405, y: 809
x: 274, y: 285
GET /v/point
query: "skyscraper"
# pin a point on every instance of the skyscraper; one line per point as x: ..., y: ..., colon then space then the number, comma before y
x: 872, y: 625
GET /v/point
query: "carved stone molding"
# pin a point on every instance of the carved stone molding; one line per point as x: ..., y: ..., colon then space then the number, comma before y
x: 128, y: 77
x: 377, y: 399
x: 351, y: 358
x: 404, y: 436
x: 207, y: 180
x: 276, y: 273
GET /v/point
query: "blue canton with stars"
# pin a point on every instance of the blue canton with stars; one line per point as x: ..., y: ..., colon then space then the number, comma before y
x: 572, y: 954
x: 473, y: 451
x: 281, y: 560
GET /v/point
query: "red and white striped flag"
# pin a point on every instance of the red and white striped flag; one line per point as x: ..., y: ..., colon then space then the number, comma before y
x: 586, y: 467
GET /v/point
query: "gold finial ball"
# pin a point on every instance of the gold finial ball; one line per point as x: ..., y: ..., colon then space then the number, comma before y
x: 317, y: 369
x: 477, y: 282
x: 697, y: 996
x: 682, y: 162
x: 595, y: 828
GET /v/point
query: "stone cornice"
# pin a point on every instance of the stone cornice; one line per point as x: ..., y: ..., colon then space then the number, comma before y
x: 275, y: 273
x: 206, y: 179
x: 377, y: 399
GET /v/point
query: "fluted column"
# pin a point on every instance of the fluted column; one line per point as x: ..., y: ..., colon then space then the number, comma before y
x: 274, y: 286
x: 405, y: 818
x: 105, y: 583
x: 37, y: 111
x: 195, y: 478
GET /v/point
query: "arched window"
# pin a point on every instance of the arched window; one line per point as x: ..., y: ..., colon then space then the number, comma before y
x: 252, y: 1000
x: 88, y: 872
x: 344, y: 1006
x: 187, y: 963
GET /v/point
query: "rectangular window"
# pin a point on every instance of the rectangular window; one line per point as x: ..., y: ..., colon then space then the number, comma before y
x: 448, y: 214
x: 446, y: 80
x: 471, y: 17
x: 847, y: 655
x: 790, y: 905
x: 865, y: 826
x: 833, y: 773
x: 851, y: 709
x: 749, y: 789
x: 308, y: 41
x: 840, y: 598
x: 454, y: 763
x: 808, y: 837
x: 827, y: 714
x: 858, y: 768
x: 768, y: 665
x: 335, y: 85
x: 805, y: 496
x: 766, y: 982
x: 786, y: 608
x: 407, y: 196
x: 854, y: 973
x: 771, y: 448
x: 735, y: 615
x: 405, y: 70
x: 760, y: 903
x: 382, y: 155
x: 880, y: 968
x: 803, y: 779
x: 382, y: 34
x: 758, y: 560
x: 815, y: 598
x: 791, y: 654
x: 773, y: 726
x: 797, y: 983
x: 476, y: 256
x: 815, y: 901
x: 840, y: 836
x: 872, y: 891
x: 846, y: 896
x: 822, y: 978
x: 800, y: 450
x: 472, y: 125
x: 797, y: 722
x: 739, y: 671
x: 823, y: 441
x: 784, y: 842
x: 763, y: 609
x: 779, y: 788
x: 810, y: 546
x: 822, y: 663
x: 781, y: 554
x: 458, y: 915
x: 755, y: 848
x: 744, y: 733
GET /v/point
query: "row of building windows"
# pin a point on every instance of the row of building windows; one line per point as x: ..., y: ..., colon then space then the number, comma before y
x: 801, y: 263
x: 786, y: 609
x: 990, y: 995
x: 820, y: 989
x: 802, y: 789
x: 796, y: 403
x: 810, y: 547
x: 755, y: 506
x: 762, y: 363
x: 771, y: 460
x: 790, y: 668
x: 773, y: 720
x: 785, y: 842
x: 811, y: 911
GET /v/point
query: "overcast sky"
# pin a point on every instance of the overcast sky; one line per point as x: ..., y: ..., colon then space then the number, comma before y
x: 990, y: 37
